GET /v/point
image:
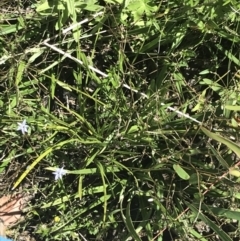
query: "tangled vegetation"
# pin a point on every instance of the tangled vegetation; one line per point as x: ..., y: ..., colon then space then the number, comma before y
x: 133, y: 106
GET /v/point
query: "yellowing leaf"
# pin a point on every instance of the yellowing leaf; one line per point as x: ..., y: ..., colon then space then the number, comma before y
x: 234, y: 172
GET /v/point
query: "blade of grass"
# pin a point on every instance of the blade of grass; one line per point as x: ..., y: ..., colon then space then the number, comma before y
x: 44, y: 154
x: 210, y: 223
x: 230, y: 144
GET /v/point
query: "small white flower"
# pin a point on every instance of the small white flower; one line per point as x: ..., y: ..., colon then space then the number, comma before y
x: 22, y: 127
x: 59, y: 173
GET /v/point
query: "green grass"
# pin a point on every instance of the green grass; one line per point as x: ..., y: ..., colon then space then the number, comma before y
x: 106, y: 88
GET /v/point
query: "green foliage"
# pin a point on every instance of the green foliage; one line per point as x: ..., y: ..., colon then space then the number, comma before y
x: 101, y: 84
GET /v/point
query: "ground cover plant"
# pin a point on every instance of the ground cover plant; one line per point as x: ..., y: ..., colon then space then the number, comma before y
x: 119, y: 120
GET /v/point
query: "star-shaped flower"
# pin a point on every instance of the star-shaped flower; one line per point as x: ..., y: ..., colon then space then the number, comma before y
x: 22, y: 127
x: 59, y: 173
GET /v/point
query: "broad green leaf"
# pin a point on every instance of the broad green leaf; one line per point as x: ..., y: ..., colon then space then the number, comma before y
x: 236, y: 195
x: 215, y: 86
x: 71, y: 8
x: 133, y: 129
x: 206, y: 71
x: 181, y: 172
x: 43, y: 6
x: 201, y: 101
x: 197, y: 107
x: 9, y: 29
x: 195, y: 179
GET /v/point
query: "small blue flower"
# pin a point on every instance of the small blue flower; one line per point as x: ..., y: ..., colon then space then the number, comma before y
x: 22, y: 127
x: 59, y: 173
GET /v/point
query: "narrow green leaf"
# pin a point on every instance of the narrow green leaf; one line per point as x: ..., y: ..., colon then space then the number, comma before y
x: 20, y: 70
x: 219, y: 231
x: 80, y: 186
x: 97, y: 202
x: 229, y: 54
x: 7, y: 160
x: 43, y: 6
x: 231, y: 107
x: 43, y: 155
x: 218, y: 156
x: 222, y: 212
x: 206, y: 71
x: 86, y: 171
x: 86, y: 192
x: 63, y: 85
x: 129, y: 224
x: 102, y: 173
x: 231, y: 145
x: 36, y: 53
x: 196, y: 234
x: 21, y: 21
